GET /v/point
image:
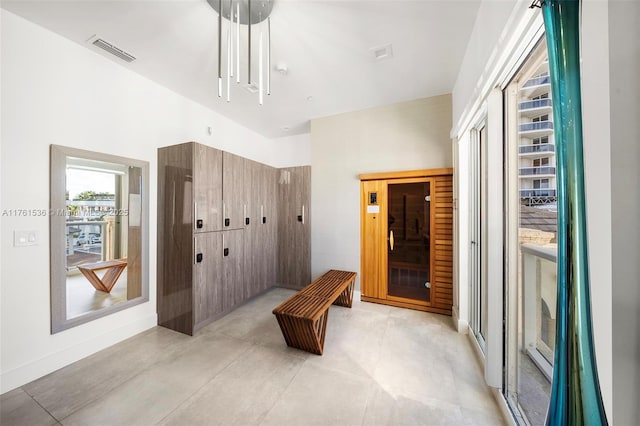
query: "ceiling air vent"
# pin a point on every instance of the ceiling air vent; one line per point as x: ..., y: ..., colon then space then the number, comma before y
x: 114, y: 50
x: 382, y: 52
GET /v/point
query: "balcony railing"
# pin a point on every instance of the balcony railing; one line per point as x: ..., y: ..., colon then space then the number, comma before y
x: 537, y: 193
x: 542, y: 147
x: 538, y: 103
x: 536, y: 171
x: 538, y: 81
x: 539, y: 282
x: 536, y: 125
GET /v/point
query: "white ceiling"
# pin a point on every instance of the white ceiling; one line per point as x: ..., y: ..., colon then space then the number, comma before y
x: 325, y: 45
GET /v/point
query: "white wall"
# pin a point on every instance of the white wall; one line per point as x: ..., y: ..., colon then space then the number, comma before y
x: 624, y: 86
x: 57, y: 92
x: 405, y: 136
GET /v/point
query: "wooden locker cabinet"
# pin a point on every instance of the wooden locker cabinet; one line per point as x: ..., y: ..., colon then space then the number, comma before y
x: 208, y: 266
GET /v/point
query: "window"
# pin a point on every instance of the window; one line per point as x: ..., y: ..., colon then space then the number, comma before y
x: 540, y: 183
x: 530, y: 256
x: 478, y: 270
x: 544, y: 117
x: 541, y: 140
x: 539, y: 162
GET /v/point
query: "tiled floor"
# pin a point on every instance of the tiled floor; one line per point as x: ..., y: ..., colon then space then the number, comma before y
x: 381, y: 366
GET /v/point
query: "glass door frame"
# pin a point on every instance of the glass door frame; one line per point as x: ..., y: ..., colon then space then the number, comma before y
x: 385, y: 284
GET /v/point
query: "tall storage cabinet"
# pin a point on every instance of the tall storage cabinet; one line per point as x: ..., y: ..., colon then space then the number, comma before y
x: 217, y: 233
x: 294, y: 227
x: 261, y: 227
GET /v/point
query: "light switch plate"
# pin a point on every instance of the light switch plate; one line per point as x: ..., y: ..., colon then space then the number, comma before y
x: 25, y: 238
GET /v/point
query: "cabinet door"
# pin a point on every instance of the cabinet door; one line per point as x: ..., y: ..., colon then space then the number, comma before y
x: 294, y: 235
x: 207, y: 276
x: 175, y: 216
x: 232, y: 267
x: 250, y: 227
x: 271, y: 226
x: 232, y: 191
x: 262, y: 253
x: 207, y: 188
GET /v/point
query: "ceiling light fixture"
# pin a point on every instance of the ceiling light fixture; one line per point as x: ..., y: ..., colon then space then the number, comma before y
x: 249, y: 13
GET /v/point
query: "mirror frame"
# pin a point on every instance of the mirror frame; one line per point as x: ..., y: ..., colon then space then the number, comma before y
x: 57, y: 240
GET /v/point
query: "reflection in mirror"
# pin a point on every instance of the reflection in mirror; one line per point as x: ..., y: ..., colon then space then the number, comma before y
x: 98, y: 235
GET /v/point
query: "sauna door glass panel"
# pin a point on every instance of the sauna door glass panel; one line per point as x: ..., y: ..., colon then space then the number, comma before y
x: 409, y: 240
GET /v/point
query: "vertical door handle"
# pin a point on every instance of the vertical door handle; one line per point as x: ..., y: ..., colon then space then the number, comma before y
x: 301, y: 217
x: 173, y: 203
x: 195, y: 250
x: 391, y: 240
x: 195, y: 215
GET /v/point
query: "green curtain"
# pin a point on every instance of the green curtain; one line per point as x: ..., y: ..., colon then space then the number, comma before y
x: 575, y: 392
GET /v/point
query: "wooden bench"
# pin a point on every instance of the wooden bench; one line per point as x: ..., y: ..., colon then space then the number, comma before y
x: 303, y: 317
x: 114, y: 270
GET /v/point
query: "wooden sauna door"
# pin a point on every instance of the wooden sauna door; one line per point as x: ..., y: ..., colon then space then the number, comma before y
x: 406, y: 239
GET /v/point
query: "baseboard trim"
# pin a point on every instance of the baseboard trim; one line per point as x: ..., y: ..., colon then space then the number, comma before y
x: 26, y: 373
x: 459, y: 324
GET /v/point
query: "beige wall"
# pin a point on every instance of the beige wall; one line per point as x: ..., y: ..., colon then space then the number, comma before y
x: 405, y: 136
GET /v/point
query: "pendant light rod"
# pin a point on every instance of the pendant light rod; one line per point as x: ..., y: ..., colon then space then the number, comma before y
x: 229, y: 65
x: 219, y: 48
x: 238, y: 42
x: 230, y: 37
x: 260, y: 73
x: 249, y: 42
x: 268, y: 55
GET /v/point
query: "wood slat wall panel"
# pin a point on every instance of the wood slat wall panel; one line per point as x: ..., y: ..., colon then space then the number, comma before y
x: 443, y: 264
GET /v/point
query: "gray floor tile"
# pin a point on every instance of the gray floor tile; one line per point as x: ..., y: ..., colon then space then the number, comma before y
x: 19, y: 409
x: 76, y: 385
x: 386, y: 409
x: 242, y: 394
x: 150, y: 396
x: 320, y: 396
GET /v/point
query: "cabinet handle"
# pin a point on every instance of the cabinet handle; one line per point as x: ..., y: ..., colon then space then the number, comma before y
x: 226, y: 252
x: 195, y: 249
x: 199, y: 257
x: 264, y: 219
x: 173, y: 203
x: 391, y: 240
x: 246, y: 218
x: 195, y: 215
x: 301, y: 217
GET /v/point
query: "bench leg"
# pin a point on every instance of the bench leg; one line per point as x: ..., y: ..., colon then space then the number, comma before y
x: 303, y: 333
x: 346, y: 297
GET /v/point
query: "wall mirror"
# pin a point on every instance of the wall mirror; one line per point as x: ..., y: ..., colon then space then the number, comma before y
x: 99, y: 233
